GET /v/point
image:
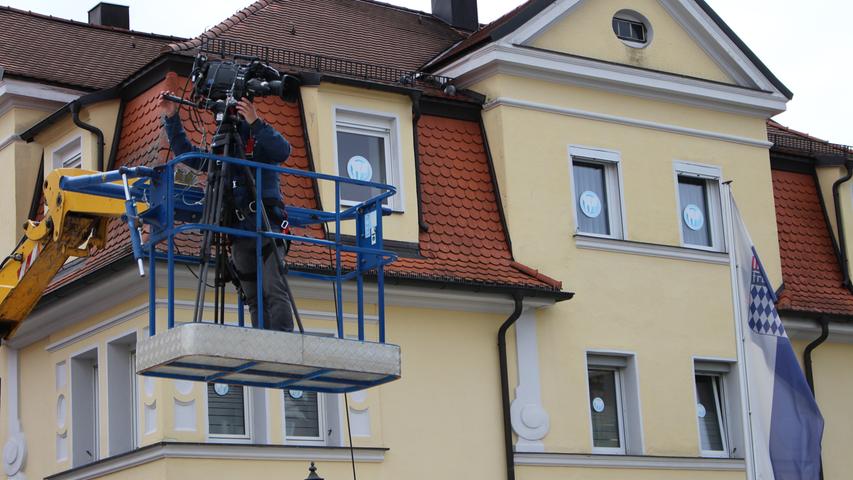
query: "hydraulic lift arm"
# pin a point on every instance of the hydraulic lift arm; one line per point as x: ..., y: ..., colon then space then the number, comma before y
x: 74, y: 224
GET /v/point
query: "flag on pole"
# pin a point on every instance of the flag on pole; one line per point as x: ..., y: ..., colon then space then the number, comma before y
x: 785, y: 423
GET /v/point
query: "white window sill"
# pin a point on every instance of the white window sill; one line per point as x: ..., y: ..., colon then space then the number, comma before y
x: 629, y: 461
x: 160, y: 451
x: 650, y: 249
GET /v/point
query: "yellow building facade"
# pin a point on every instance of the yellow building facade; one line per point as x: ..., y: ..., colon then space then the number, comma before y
x: 588, y: 140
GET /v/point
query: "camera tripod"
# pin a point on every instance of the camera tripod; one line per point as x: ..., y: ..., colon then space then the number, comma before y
x: 228, y: 143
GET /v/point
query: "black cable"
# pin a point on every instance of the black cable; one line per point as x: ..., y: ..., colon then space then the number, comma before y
x: 346, y: 400
x: 349, y: 432
x: 196, y: 275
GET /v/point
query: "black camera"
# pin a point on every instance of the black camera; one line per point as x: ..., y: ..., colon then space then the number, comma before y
x: 219, y: 84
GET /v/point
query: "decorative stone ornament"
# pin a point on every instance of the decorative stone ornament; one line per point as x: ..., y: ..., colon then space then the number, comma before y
x: 312, y: 473
x: 14, y: 455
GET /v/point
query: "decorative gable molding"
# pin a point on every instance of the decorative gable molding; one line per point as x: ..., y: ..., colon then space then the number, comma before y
x: 755, y: 94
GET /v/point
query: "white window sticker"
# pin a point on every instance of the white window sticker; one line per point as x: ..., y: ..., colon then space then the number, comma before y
x: 221, y: 389
x: 296, y: 394
x: 693, y: 217
x: 590, y: 204
x: 359, y: 168
x: 700, y: 410
x: 598, y: 404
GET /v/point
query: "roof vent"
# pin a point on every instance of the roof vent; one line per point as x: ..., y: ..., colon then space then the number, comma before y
x: 110, y: 15
x: 458, y: 13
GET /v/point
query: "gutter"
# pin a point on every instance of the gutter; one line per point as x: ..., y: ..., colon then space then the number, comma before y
x: 75, y: 117
x: 505, y: 402
x: 845, y: 269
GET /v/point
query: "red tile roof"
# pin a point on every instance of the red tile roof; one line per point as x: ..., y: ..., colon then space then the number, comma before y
x: 466, y: 243
x: 810, y: 269
x: 70, y: 53
x: 356, y: 30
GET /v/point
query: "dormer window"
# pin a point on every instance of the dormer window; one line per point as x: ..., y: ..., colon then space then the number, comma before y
x: 632, y: 28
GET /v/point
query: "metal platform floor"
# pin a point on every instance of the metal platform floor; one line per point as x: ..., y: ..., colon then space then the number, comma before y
x: 208, y: 352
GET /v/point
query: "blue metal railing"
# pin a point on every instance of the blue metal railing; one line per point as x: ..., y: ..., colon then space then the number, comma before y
x: 172, y: 210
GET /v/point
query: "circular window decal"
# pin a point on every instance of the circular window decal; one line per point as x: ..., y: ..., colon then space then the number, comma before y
x: 358, y: 168
x: 590, y: 204
x: 693, y: 217
x: 700, y: 410
x: 598, y: 404
x: 221, y: 389
x: 296, y: 394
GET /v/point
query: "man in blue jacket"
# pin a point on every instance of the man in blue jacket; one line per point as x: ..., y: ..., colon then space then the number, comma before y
x: 269, y: 146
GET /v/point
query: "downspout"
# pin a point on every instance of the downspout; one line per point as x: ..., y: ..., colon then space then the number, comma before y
x: 416, y: 117
x: 116, y: 135
x: 807, y: 354
x: 75, y: 117
x: 845, y: 270
x: 807, y: 361
x: 508, y: 449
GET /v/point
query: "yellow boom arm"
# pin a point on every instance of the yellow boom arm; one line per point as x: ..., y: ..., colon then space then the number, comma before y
x: 74, y: 224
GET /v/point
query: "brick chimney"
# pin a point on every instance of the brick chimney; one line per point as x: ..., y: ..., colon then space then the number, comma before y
x: 458, y: 13
x: 110, y: 15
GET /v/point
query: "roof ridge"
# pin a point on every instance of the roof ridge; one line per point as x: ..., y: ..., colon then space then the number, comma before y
x: 78, y: 23
x: 220, y: 27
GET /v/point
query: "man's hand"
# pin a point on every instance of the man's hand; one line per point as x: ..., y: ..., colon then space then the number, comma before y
x: 247, y: 110
x: 167, y: 108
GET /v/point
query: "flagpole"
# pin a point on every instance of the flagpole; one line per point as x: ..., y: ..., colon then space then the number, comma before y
x: 743, y: 381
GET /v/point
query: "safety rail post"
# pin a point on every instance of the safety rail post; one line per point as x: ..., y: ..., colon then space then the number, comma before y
x: 339, y: 305
x: 170, y: 253
x: 380, y: 276
x: 152, y: 291
x: 241, y: 321
x: 359, y: 230
x: 259, y: 257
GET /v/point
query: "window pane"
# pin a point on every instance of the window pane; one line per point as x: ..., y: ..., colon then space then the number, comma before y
x: 710, y: 426
x: 591, y: 199
x: 605, y: 408
x: 693, y: 197
x: 302, y: 414
x: 225, y: 409
x: 361, y: 157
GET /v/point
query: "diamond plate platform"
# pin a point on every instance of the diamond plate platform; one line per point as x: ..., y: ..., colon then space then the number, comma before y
x: 207, y: 352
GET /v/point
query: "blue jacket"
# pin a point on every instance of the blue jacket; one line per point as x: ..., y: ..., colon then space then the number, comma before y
x: 270, y: 147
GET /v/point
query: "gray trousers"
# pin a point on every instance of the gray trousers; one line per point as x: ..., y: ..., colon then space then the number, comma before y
x: 278, y: 314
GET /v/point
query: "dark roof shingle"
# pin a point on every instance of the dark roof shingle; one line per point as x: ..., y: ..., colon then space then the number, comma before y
x: 69, y: 53
x: 355, y: 30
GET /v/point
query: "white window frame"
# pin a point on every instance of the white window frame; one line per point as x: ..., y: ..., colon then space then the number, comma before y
x: 321, y: 420
x: 722, y: 417
x: 384, y: 125
x: 89, y: 371
x: 69, y: 155
x: 712, y: 175
x: 731, y: 405
x: 246, y: 437
x: 122, y: 393
x: 611, y: 160
x: 620, y: 418
x: 624, y: 364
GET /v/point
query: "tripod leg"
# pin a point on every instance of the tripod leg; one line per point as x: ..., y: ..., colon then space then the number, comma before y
x: 204, y: 253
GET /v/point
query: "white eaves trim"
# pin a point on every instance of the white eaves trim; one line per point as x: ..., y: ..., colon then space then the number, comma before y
x: 33, y: 96
x: 800, y: 328
x: 556, y: 67
x: 125, y: 285
x: 651, y: 250
x: 631, y: 122
x: 626, y: 462
x: 157, y: 452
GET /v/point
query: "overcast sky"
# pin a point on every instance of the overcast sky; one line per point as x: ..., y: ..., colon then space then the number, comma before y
x: 806, y: 44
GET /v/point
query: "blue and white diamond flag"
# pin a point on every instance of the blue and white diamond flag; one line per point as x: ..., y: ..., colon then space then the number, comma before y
x: 786, y: 424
